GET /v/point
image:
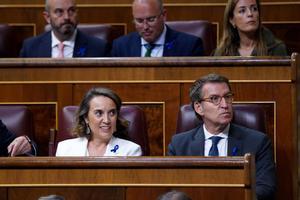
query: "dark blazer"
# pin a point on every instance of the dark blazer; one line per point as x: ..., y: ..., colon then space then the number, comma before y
x: 176, y: 44
x: 241, y: 140
x: 6, y: 137
x: 85, y: 46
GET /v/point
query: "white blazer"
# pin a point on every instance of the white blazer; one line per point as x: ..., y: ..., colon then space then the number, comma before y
x: 115, y: 147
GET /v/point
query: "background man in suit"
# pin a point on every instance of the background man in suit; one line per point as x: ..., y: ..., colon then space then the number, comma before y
x: 152, y: 34
x: 12, y: 145
x: 212, y: 98
x: 65, y: 40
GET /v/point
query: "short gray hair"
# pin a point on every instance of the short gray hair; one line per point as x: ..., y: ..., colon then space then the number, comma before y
x: 47, y: 5
x: 196, y: 89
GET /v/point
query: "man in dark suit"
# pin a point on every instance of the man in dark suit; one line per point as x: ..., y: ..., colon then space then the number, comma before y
x: 153, y: 38
x: 65, y: 40
x: 12, y: 145
x: 212, y: 98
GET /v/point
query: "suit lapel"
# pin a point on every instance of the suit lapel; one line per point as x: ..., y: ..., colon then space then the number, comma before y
x: 234, y: 142
x: 80, y: 48
x: 169, y: 47
x: 197, y: 145
x: 135, y: 47
x: 45, y: 49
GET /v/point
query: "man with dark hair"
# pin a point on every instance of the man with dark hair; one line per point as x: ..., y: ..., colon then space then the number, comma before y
x: 10, y: 145
x: 153, y: 38
x: 64, y: 40
x: 211, y: 98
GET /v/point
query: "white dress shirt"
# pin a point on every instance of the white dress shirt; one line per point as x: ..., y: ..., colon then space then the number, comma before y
x: 68, y: 46
x: 158, y: 50
x: 222, y: 145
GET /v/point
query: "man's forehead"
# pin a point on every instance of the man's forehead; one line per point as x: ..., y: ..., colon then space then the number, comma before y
x: 145, y: 8
x: 62, y: 4
x: 215, y: 87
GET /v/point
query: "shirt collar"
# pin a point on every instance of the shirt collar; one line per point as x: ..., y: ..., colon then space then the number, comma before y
x: 70, y: 42
x: 223, y: 134
x: 161, y: 39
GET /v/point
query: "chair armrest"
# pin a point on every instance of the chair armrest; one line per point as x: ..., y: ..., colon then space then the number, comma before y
x: 52, y: 139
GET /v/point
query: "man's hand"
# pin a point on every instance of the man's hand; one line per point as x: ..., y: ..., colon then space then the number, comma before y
x: 19, y: 146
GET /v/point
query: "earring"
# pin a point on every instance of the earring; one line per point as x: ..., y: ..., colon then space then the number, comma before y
x: 88, y: 130
x: 234, y: 26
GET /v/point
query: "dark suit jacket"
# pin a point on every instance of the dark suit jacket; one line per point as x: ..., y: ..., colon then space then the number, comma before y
x: 6, y: 137
x: 241, y: 140
x: 85, y: 46
x: 176, y: 44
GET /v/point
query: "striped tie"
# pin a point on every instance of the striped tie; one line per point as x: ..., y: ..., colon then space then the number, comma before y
x: 149, y: 48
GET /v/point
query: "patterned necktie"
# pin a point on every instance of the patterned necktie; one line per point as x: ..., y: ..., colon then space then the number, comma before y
x: 61, y: 50
x: 149, y: 48
x: 214, y: 147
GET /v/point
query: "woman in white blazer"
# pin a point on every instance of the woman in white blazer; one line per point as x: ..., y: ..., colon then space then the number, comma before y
x: 98, y: 128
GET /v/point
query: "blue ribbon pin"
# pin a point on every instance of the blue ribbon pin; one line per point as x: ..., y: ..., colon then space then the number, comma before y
x: 114, y: 150
x: 170, y: 45
x: 234, y: 151
x: 81, y: 51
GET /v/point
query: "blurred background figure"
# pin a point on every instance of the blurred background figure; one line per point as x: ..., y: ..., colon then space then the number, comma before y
x: 64, y: 40
x: 11, y: 145
x: 52, y: 197
x: 243, y: 33
x: 153, y: 38
x: 174, y: 195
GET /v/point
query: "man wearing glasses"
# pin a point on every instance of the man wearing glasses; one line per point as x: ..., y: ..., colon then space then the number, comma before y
x: 65, y: 40
x: 211, y: 98
x: 152, y: 37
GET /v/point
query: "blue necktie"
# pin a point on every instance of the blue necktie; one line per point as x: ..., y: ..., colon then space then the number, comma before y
x: 214, y: 147
x: 149, y: 48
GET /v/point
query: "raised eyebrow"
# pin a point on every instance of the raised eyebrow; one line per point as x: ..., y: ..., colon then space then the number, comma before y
x: 113, y: 110
x: 214, y: 96
x: 229, y: 93
x: 241, y: 7
x: 98, y: 110
x: 58, y: 9
x: 151, y: 17
x: 72, y: 8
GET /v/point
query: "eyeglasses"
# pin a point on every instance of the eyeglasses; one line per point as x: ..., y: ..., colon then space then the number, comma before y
x: 216, y: 99
x: 149, y: 20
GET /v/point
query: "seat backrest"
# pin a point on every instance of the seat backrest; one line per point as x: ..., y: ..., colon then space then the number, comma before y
x: 245, y: 114
x: 200, y: 28
x: 17, y: 119
x: 11, y: 39
x: 105, y: 32
x: 137, y: 129
x: 4, y: 31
